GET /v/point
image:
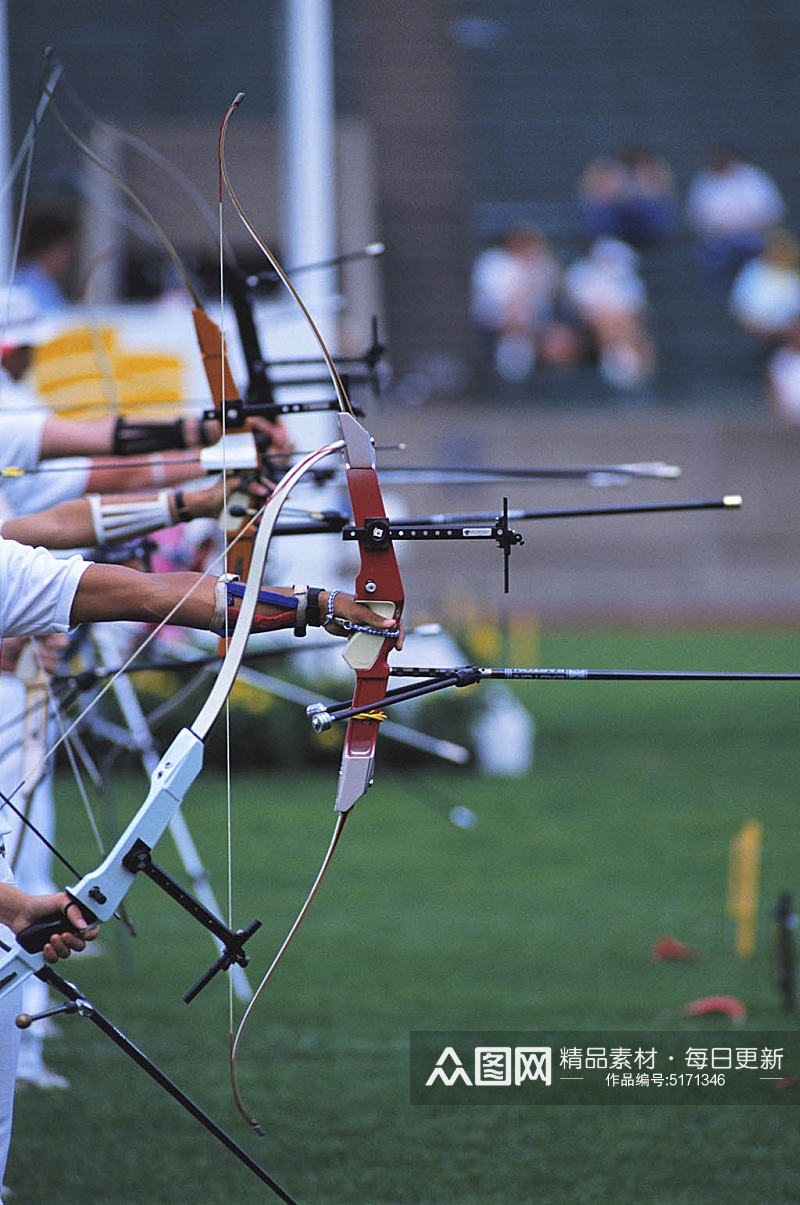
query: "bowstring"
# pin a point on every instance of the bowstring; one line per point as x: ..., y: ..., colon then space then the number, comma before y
x: 224, y: 420
x: 345, y: 407
x: 55, y: 711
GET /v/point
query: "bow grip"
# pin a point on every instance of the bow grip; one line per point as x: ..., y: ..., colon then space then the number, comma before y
x: 35, y: 937
x: 363, y: 648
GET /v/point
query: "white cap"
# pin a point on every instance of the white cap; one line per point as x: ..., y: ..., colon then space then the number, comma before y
x: 21, y: 320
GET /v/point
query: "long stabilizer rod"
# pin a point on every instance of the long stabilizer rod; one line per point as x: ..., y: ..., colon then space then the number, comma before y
x: 323, y: 715
x: 81, y: 1006
x: 612, y: 675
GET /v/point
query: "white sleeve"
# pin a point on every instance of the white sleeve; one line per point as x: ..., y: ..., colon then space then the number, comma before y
x: 21, y: 440
x: 36, y: 590
x: 59, y: 481
x: 20, y: 447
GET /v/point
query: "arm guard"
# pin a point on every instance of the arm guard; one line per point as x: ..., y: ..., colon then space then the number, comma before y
x: 125, y: 519
x: 227, y: 593
x: 139, y: 439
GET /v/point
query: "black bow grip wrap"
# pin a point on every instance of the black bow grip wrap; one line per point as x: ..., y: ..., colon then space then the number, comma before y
x: 36, y: 936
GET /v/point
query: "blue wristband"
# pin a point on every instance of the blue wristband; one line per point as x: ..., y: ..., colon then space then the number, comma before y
x: 329, y: 614
x: 287, y: 601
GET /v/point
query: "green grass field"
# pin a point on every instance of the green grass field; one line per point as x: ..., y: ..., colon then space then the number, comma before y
x: 541, y: 917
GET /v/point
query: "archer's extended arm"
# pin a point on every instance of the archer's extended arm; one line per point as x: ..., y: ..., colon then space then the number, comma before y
x: 96, y: 520
x: 194, y: 600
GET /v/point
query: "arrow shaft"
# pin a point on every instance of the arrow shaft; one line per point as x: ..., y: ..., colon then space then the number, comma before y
x: 610, y: 675
x: 426, y: 525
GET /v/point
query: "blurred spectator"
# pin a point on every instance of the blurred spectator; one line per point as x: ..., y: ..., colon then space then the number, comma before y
x: 47, y: 257
x: 783, y: 377
x: 515, y: 290
x: 22, y: 328
x: 765, y: 297
x: 730, y: 206
x: 629, y: 195
x: 609, y: 296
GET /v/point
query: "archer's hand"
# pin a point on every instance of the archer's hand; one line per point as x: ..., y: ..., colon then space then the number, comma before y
x: 208, y: 502
x: 276, y: 433
x: 11, y: 648
x: 50, y: 648
x: 20, y: 910
x: 346, y: 607
x: 279, y: 441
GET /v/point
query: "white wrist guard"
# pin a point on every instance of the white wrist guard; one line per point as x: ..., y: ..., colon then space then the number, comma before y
x: 115, y: 521
x: 301, y: 614
x: 219, y: 620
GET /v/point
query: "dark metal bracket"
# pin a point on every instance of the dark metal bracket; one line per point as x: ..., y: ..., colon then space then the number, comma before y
x: 139, y: 861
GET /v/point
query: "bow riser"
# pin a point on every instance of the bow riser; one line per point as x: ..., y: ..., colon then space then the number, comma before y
x: 379, y: 585
x: 102, y: 890
x: 223, y: 390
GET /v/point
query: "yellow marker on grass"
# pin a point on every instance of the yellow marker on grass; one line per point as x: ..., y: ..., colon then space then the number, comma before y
x: 744, y: 864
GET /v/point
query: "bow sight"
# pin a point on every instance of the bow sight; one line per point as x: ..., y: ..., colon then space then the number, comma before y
x: 380, y: 533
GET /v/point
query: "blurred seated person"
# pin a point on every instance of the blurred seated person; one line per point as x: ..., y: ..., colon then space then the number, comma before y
x: 730, y: 206
x: 607, y: 293
x: 629, y: 195
x: 765, y: 297
x: 515, y: 290
x: 783, y: 377
x: 47, y: 258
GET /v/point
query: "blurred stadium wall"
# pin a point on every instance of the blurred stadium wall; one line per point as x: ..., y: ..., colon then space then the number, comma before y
x: 476, y: 113
x: 457, y: 118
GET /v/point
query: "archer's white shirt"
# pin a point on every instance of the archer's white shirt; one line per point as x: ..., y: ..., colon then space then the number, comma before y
x: 36, y: 595
x: 37, y: 590
x: 60, y: 480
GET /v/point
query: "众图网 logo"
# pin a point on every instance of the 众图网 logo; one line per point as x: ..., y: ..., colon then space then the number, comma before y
x: 494, y: 1066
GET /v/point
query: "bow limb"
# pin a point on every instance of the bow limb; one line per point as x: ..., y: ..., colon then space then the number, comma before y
x: 50, y: 77
x: 220, y: 379
x: 51, y: 73
x: 338, y: 384
x: 237, y: 1038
